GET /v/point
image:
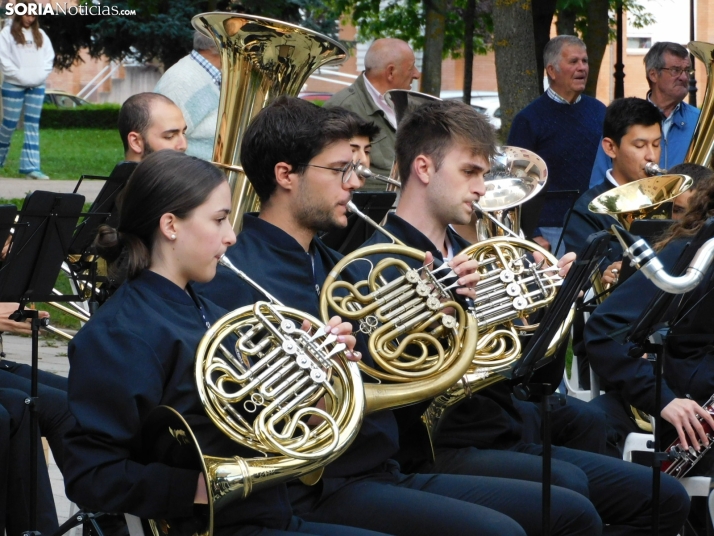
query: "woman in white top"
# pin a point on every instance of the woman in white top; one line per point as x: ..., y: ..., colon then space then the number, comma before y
x: 26, y: 59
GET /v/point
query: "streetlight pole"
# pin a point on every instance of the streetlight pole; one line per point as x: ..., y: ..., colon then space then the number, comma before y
x: 692, y: 78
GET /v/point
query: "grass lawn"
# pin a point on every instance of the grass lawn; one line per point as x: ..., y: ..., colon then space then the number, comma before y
x: 67, y: 154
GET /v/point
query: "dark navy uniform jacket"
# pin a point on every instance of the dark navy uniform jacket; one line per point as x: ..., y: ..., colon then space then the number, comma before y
x: 278, y: 263
x: 583, y: 223
x: 689, y: 362
x: 137, y: 352
x: 486, y: 420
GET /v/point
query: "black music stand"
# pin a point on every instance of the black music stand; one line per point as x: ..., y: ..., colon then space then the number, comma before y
x: 649, y: 323
x: 39, y: 247
x: 82, y: 261
x: 373, y: 204
x: 7, y: 221
x: 531, y: 359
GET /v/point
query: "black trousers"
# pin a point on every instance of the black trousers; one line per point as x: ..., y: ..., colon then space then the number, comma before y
x: 53, y: 414
x: 620, y: 491
x: 428, y: 504
x: 300, y: 526
x: 15, y: 466
x: 576, y: 425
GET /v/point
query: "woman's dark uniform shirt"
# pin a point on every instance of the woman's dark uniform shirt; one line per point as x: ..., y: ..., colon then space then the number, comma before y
x: 278, y: 263
x: 137, y: 352
x: 689, y: 362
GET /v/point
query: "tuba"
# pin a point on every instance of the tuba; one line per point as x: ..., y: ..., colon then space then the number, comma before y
x: 701, y: 148
x: 288, y: 394
x: 261, y: 59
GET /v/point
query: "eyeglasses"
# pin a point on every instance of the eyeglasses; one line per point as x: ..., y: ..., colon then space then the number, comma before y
x: 346, y: 171
x: 677, y: 71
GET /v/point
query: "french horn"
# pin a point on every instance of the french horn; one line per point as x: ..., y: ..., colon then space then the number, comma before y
x: 511, y: 287
x: 286, y: 393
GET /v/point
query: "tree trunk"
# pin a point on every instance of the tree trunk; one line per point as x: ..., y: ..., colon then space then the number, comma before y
x: 566, y: 22
x: 469, y: 24
x: 434, y: 11
x: 596, y: 40
x: 516, y: 68
x: 543, y: 11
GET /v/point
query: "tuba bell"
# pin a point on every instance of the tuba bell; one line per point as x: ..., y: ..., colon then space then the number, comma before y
x: 261, y: 59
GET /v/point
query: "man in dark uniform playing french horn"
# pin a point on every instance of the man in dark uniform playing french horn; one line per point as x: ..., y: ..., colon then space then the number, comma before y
x: 299, y: 160
x: 443, y: 151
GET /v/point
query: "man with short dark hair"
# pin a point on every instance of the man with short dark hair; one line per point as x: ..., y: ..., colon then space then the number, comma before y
x: 442, y: 153
x: 667, y: 66
x: 563, y: 127
x: 194, y: 84
x: 632, y: 138
x: 150, y: 122
x: 388, y: 64
x: 299, y: 160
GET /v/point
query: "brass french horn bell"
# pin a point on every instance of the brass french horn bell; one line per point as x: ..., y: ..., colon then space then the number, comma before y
x: 639, y: 199
x: 261, y: 59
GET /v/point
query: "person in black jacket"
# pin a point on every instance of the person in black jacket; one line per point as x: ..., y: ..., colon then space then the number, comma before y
x: 443, y: 151
x: 689, y: 365
x: 138, y: 352
x: 298, y: 158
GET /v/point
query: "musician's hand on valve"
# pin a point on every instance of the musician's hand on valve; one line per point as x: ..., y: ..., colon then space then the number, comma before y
x: 343, y: 330
x: 612, y: 273
x: 467, y: 270
x: 682, y: 414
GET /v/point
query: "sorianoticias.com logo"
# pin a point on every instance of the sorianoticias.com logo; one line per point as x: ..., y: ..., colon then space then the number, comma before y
x: 65, y: 9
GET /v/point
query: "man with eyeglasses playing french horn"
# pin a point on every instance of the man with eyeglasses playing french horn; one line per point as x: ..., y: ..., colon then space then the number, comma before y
x: 298, y: 158
x: 443, y: 151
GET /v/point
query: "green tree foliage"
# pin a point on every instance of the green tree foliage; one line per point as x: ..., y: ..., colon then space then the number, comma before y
x: 405, y: 19
x: 161, y: 29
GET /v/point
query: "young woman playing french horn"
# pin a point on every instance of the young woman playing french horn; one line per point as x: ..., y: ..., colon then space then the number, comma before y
x: 138, y: 351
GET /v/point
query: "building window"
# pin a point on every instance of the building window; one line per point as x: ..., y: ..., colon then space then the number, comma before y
x: 639, y: 43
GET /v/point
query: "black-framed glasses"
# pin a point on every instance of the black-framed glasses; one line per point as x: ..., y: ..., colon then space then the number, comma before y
x: 677, y: 71
x: 346, y: 171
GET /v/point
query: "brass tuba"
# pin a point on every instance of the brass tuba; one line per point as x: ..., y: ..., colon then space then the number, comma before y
x: 261, y: 59
x: 701, y: 148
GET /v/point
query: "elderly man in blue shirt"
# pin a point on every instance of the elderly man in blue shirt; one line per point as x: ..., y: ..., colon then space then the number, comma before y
x: 668, y: 67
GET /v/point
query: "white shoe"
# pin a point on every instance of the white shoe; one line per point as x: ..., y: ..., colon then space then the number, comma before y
x: 38, y: 175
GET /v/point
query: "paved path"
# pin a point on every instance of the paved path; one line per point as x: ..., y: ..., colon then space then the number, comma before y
x: 18, y: 188
x: 52, y: 358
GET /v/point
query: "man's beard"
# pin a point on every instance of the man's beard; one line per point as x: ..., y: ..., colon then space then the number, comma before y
x: 148, y: 149
x: 319, y: 219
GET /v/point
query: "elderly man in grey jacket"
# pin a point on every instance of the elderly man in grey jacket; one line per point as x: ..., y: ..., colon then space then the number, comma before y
x: 388, y: 64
